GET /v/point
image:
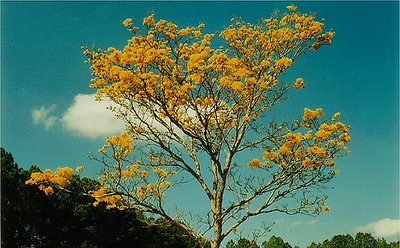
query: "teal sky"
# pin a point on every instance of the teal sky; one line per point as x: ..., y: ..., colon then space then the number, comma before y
x: 44, y: 94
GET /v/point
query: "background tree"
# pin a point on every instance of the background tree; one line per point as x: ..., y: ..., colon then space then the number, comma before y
x: 314, y: 245
x: 360, y: 240
x: 30, y: 219
x: 193, y: 110
x: 275, y: 242
x: 342, y: 241
x: 365, y: 240
x: 242, y: 242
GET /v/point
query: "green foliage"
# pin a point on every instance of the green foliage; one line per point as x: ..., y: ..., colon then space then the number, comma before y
x: 31, y: 219
x: 275, y: 242
x: 365, y: 240
x: 241, y: 243
x: 361, y: 240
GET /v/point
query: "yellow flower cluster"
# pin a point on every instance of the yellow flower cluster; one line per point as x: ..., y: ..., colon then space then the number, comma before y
x: 111, y: 199
x: 152, y: 189
x: 130, y: 171
x: 310, y: 149
x: 47, y: 179
x: 306, y: 162
x: 311, y: 114
x: 255, y: 163
x: 285, y: 62
x: 299, y: 84
x: 127, y: 22
x: 291, y: 8
x: 121, y: 144
x: 314, y: 150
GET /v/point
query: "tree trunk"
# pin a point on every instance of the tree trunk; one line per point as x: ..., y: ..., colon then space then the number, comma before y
x: 217, y: 220
x: 216, y: 242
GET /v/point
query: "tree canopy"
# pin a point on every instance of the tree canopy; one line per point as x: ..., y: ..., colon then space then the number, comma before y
x: 29, y: 218
x: 192, y: 110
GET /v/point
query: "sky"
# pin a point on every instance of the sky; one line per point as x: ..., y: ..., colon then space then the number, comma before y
x: 49, y: 118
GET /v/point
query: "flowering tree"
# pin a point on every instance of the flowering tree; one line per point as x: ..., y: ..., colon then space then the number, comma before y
x: 192, y: 110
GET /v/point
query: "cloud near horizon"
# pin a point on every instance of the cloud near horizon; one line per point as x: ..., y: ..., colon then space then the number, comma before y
x: 382, y: 228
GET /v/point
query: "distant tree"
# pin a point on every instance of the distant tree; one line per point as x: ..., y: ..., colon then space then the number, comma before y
x: 314, y: 245
x: 361, y: 240
x: 394, y: 244
x: 342, y: 241
x: 29, y: 218
x: 242, y: 243
x: 275, y: 242
x: 365, y: 240
x: 382, y: 243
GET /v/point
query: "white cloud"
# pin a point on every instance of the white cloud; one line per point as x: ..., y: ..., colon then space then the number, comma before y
x: 89, y: 118
x: 301, y: 223
x: 382, y: 228
x: 43, y: 116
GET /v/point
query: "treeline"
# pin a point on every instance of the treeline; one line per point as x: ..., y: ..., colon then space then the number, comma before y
x: 361, y: 240
x: 29, y: 218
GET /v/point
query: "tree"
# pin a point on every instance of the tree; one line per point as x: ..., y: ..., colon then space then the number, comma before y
x: 242, y: 242
x: 394, y: 244
x: 314, y: 245
x: 275, y: 242
x: 365, y: 240
x: 360, y: 240
x: 192, y: 111
x: 341, y: 241
x: 30, y: 219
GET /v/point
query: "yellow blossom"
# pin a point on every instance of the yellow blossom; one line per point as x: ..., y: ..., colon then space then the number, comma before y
x: 286, y: 62
x: 141, y: 191
x: 316, y: 150
x: 164, y: 184
x: 330, y: 163
x: 238, y: 86
x: 127, y: 22
x: 307, y: 162
x: 345, y: 137
x: 255, y: 163
x: 285, y: 150
x: 48, y: 190
x: 291, y: 8
x: 270, y: 155
x: 323, y: 134
x: 161, y: 172
x: 293, y: 138
x: 307, y: 136
x: 143, y: 174
x: 299, y: 84
x: 265, y: 63
x: 148, y: 20
x: 335, y: 116
x: 311, y: 114
x: 127, y: 173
